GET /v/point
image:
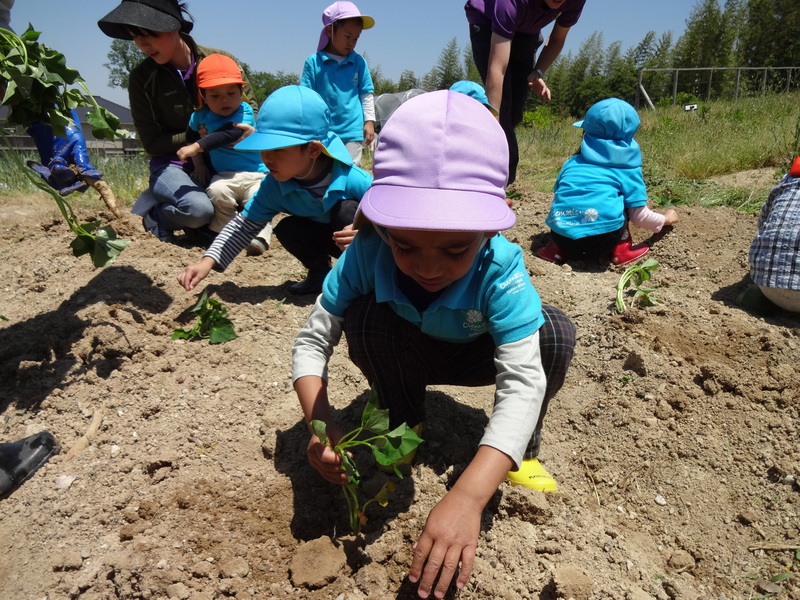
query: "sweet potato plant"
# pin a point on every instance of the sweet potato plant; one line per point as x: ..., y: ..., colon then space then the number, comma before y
x: 388, y: 448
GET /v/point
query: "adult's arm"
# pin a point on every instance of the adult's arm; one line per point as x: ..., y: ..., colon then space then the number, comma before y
x: 499, y: 55
x: 548, y: 55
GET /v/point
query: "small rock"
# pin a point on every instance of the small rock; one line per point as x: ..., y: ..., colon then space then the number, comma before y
x: 317, y: 563
x: 661, y: 501
x: 179, y: 591
x: 63, y: 482
x: 680, y: 560
x: 234, y: 567
x: 571, y: 582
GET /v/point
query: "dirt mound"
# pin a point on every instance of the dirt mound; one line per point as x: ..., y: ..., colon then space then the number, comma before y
x: 674, y: 439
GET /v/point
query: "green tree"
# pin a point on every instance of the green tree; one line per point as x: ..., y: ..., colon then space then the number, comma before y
x: 447, y: 70
x: 122, y: 58
x: 264, y: 84
x: 408, y: 81
x: 381, y: 84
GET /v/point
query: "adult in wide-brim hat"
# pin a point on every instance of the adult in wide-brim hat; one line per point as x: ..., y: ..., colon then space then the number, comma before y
x: 159, y: 16
x: 163, y: 95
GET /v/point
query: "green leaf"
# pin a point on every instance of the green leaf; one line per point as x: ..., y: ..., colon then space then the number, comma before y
x: 374, y: 419
x: 222, y: 332
x: 319, y: 429
x: 398, y: 443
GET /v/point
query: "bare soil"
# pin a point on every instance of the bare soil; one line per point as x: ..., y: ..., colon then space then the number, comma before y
x: 674, y: 440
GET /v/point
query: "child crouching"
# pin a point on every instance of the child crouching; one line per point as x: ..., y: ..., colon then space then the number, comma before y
x: 600, y: 189
x: 429, y: 293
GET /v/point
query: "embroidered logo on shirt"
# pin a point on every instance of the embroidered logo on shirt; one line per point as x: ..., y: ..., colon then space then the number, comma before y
x: 475, y: 322
x: 513, y: 284
x: 590, y: 216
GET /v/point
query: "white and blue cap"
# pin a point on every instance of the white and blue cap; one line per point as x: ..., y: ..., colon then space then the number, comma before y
x: 291, y: 116
x: 474, y: 90
x: 609, y: 127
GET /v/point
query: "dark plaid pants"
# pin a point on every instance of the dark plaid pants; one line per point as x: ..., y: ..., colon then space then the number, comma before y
x: 402, y: 361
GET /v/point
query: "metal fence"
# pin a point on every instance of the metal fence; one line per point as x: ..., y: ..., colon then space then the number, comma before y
x: 679, y: 85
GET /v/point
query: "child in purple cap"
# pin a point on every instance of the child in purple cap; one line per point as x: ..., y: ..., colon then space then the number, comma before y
x: 341, y: 76
x: 430, y: 293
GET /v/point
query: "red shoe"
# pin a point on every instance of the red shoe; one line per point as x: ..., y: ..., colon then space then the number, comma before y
x: 625, y: 255
x: 551, y: 253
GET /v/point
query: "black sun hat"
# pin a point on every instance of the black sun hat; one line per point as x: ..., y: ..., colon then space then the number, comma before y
x: 153, y: 15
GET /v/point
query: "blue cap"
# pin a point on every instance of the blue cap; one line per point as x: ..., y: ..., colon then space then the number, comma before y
x: 609, y: 127
x: 474, y: 90
x: 291, y: 116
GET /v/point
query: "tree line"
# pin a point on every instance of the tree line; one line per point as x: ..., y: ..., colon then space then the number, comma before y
x: 738, y: 33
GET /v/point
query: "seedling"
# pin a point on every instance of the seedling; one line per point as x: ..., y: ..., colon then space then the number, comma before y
x: 212, y: 322
x: 635, y: 276
x: 388, y: 447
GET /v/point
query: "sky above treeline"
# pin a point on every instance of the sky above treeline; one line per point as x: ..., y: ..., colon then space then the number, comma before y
x: 273, y: 36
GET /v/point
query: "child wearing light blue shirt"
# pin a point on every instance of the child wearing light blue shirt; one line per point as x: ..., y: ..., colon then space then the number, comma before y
x: 429, y: 293
x: 341, y: 76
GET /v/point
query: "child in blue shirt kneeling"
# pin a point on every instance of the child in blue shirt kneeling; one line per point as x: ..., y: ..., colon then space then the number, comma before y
x: 430, y: 293
x: 311, y: 178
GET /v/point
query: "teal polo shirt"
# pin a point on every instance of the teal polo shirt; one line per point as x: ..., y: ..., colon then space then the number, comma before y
x: 496, y: 296
x: 341, y: 85
x: 348, y: 182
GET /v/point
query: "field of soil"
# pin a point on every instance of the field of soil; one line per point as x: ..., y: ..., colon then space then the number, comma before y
x: 675, y: 440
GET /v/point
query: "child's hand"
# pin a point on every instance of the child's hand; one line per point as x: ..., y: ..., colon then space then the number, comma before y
x: 345, y: 237
x: 194, y: 274
x: 324, y: 460
x: 450, y: 536
x: 188, y: 151
x: 369, y: 132
x: 670, y: 216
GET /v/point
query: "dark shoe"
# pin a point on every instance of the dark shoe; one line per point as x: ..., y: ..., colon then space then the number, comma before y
x: 19, y: 460
x: 201, y: 237
x: 151, y: 224
x: 312, y: 284
x: 551, y: 253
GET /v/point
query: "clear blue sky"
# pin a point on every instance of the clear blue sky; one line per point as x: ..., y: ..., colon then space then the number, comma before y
x: 278, y: 36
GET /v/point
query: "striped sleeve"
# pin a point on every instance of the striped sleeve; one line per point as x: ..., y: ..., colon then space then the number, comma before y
x: 233, y: 238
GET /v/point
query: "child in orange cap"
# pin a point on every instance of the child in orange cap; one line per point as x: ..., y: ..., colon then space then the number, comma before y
x: 226, y: 117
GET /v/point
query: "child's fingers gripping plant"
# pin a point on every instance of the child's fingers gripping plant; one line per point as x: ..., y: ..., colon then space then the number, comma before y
x: 212, y: 322
x: 388, y: 448
x: 634, y: 276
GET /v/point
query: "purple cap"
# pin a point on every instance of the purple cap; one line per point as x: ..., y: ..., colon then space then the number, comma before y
x: 441, y: 164
x: 338, y: 11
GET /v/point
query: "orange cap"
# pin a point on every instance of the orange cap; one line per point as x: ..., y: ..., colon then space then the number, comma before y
x: 218, y: 69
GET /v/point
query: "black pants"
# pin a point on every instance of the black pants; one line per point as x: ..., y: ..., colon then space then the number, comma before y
x: 515, y: 84
x: 589, y: 247
x: 311, y: 242
x: 402, y: 361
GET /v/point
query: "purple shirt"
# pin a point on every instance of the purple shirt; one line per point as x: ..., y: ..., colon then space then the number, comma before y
x: 508, y: 17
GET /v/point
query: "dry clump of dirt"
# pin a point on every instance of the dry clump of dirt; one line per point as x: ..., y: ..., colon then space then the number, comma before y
x: 674, y: 439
